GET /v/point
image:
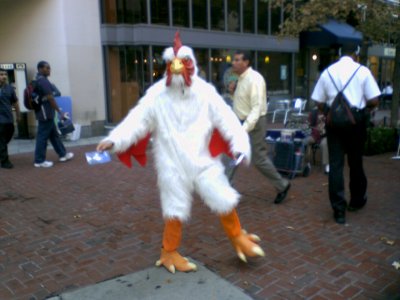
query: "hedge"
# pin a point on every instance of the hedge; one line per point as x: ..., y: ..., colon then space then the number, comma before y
x: 381, y: 140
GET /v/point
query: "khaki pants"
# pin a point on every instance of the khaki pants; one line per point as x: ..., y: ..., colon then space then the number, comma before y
x: 260, y: 159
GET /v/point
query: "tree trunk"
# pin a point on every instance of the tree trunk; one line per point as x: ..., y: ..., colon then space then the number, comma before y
x: 394, y: 116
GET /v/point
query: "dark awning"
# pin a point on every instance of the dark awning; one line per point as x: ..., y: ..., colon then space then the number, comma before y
x: 332, y: 33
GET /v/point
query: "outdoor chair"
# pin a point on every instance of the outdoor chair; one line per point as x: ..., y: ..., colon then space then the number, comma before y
x: 298, y: 106
x: 281, y: 106
x: 288, y: 107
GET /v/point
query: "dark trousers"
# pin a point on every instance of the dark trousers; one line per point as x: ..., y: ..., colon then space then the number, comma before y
x: 6, y: 133
x: 348, y: 141
x: 47, y: 130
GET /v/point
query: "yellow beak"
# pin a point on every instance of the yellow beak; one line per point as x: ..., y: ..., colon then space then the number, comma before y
x: 176, y: 66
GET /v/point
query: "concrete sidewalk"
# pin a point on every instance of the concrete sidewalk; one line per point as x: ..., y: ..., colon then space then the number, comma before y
x: 28, y: 145
x: 157, y: 284
x: 76, y: 230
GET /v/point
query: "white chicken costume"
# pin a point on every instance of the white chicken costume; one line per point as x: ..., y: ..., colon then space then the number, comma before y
x: 186, y: 117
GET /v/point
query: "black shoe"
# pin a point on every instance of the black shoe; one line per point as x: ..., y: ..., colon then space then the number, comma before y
x: 7, y: 165
x: 282, y: 195
x: 340, y: 217
x: 354, y: 208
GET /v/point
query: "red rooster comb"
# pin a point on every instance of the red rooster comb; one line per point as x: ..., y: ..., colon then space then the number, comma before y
x: 177, y: 42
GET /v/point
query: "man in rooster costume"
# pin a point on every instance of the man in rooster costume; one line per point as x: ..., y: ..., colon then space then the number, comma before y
x: 190, y: 125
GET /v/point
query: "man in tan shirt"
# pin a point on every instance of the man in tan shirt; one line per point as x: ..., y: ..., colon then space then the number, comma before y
x: 250, y: 105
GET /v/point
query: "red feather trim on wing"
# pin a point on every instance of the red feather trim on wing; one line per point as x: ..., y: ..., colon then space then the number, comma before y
x: 138, y: 151
x: 219, y: 145
x: 216, y: 146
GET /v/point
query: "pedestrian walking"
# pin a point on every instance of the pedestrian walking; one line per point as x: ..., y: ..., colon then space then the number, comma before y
x: 362, y: 94
x: 47, y: 129
x: 8, y: 100
x: 250, y: 106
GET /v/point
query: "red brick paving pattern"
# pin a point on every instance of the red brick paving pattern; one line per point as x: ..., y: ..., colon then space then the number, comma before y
x: 75, y: 225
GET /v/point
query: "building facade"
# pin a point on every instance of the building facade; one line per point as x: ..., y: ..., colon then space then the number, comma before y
x: 66, y: 33
x: 134, y: 34
x: 105, y: 53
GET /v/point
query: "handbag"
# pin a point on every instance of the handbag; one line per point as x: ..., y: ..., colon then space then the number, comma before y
x: 65, y: 126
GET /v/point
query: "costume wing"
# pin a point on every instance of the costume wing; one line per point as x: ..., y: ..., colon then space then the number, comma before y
x: 138, y: 151
x: 219, y: 145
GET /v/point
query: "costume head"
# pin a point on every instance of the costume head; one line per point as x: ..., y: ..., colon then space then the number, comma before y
x: 181, y: 64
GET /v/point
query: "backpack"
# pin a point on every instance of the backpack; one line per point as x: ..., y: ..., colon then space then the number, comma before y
x: 340, y: 115
x: 31, y: 98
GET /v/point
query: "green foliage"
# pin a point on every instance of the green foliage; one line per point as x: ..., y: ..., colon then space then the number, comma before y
x: 375, y: 19
x: 380, y: 140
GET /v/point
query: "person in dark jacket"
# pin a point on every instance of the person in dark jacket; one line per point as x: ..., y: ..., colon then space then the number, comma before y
x: 8, y: 100
x: 47, y: 129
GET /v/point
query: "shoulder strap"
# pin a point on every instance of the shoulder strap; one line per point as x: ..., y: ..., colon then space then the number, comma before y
x: 347, y: 83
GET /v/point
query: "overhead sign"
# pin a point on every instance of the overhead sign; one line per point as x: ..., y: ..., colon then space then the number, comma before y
x: 389, y: 52
x: 7, y: 66
x: 18, y: 66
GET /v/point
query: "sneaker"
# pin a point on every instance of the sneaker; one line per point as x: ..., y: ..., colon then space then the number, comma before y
x: 327, y: 169
x: 67, y: 157
x: 45, y: 164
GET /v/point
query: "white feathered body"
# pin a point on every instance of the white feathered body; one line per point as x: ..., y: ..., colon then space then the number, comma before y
x: 181, y: 120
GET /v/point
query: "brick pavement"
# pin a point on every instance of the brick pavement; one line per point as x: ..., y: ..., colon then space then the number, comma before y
x: 74, y: 225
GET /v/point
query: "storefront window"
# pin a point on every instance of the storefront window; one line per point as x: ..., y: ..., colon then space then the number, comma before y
x: 180, y: 13
x: 109, y: 11
x: 133, y: 11
x: 276, y: 19
x: 234, y: 15
x: 221, y: 64
x: 199, y: 14
x: 217, y: 15
x: 202, y: 62
x: 300, y: 76
x: 248, y: 16
x: 125, y: 79
x: 262, y: 25
x: 124, y: 11
x: 158, y: 63
x: 276, y: 69
x: 159, y: 12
